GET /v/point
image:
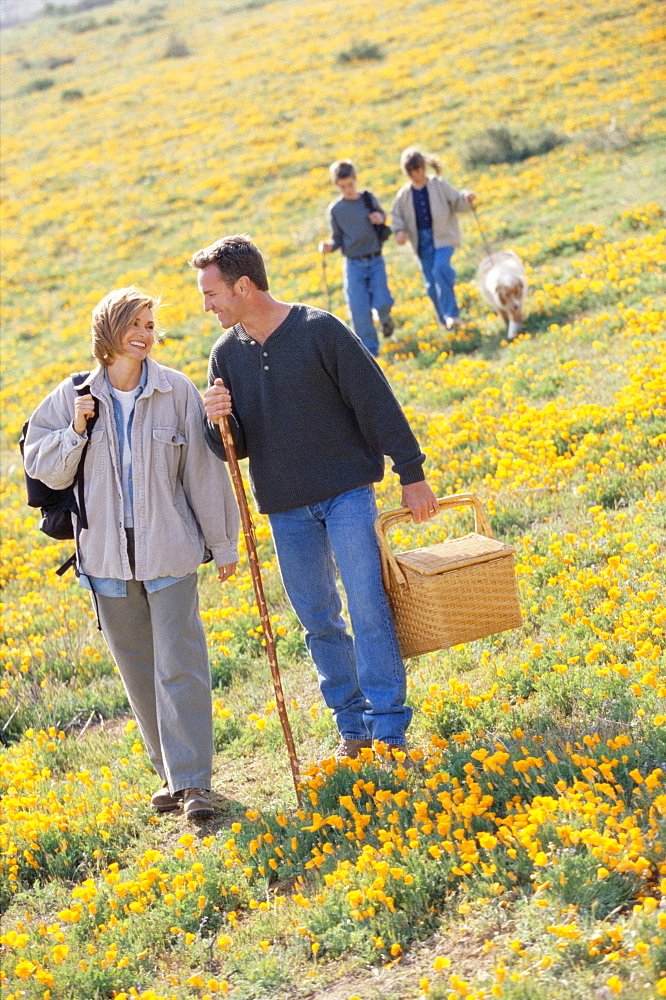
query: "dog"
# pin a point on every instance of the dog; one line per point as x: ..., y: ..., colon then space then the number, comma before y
x: 502, y: 282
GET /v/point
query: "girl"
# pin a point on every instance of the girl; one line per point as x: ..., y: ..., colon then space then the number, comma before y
x: 425, y: 213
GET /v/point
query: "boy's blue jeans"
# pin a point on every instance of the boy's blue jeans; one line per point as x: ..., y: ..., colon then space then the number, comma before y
x: 439, y: 275
x: 366, y: 288
x: 362, y: 680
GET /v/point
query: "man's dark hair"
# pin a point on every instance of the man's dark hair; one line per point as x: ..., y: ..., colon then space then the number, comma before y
x: 235, y: 256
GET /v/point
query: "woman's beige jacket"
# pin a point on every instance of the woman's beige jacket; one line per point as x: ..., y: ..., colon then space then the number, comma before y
x: 183, y: 499
x: 445, y: 203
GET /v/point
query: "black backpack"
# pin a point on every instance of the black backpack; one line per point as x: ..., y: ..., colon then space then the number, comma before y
x: 383, y: 231
x: 57, y: 506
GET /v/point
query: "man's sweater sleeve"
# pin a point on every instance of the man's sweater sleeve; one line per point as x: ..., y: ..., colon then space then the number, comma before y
x: 366, y: 391
x: 212, y: 430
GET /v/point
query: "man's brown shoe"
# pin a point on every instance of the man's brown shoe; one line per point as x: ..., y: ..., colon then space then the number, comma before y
x: 164, y: 801
x: 197, y: 804
x: 351, y: 748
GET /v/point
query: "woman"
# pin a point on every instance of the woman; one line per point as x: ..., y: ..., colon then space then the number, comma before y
x: 158, y: 502
x: 425, y: 213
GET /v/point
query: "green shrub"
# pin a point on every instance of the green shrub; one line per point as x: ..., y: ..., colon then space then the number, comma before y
x: 361, y: 51
x: 499, y: 145
x: 55, y: 62
x: 83, y: 24
x: 176, y: 49
x: 42, y: 83
x: 71, y: 95
x: 578, y: 884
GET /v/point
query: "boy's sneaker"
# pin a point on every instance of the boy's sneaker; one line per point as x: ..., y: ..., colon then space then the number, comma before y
x: 351, y: 748
x: 388, y: 326
x: 164, y: 801
x: 197, y: 804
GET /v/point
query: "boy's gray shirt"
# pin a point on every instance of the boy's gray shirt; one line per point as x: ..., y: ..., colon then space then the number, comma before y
x: 351, y: 229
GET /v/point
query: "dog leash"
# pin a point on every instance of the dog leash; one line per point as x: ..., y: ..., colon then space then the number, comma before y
x: 486, y: 245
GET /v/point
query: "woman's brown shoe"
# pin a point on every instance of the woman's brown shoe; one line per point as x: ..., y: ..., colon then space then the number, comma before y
x: 164, y: 801
x: 197, y: 804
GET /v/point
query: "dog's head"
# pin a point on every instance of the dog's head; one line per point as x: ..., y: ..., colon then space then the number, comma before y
x: 511, y: 297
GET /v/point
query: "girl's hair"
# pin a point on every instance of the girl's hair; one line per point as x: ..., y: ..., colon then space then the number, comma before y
x: 412, y: 158
x: 112, y: 318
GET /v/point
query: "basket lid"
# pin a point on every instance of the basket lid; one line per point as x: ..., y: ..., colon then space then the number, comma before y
x: 453, y: 554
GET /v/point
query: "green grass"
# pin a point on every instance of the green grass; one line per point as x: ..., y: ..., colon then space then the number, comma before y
x: 560, y: 434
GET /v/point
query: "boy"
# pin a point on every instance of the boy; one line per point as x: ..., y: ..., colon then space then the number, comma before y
x: 364, y: 273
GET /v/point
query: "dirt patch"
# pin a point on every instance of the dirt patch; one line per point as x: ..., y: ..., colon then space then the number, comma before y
x: 466, y: 950
x: 110, y: 727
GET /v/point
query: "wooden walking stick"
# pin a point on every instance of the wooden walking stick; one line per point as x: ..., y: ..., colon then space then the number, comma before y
x: 326, y: 286
x: 251, y: 546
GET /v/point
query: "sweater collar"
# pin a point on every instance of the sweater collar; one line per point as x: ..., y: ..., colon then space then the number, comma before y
x: 240, y: 332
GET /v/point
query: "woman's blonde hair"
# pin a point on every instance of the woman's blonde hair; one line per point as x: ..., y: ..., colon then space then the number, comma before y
x: 412, y: 158
x: 113, y: 316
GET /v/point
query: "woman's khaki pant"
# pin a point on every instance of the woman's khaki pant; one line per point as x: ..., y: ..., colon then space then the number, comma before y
x: 158, y: 643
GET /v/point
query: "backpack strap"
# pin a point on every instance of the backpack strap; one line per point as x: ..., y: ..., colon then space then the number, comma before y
x: 377, y: 226
x: 78, y: 379
x: 82, y: 519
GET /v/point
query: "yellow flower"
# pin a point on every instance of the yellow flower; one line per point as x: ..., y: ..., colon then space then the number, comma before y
x: 24, y: 969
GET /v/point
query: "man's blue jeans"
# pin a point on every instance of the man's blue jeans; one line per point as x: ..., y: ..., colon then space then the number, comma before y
x: 362, y: 680
x: 366, y: 288
x: 439, y: 275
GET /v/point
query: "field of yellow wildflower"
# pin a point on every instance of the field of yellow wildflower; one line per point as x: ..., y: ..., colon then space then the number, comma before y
x: 526, y: 859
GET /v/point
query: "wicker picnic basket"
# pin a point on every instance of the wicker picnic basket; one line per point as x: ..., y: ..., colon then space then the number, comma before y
x: 452, y: 592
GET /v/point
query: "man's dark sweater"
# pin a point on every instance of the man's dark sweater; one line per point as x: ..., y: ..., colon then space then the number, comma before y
x: 312, y: 410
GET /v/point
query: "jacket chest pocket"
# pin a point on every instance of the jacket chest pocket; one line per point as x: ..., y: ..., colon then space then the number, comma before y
x: 167, y: 445
x: 96, y: 458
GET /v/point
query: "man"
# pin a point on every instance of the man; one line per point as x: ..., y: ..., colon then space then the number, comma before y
x: 314, y: 414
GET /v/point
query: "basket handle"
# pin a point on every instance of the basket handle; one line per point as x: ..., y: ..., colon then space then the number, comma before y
x: 391, y: 571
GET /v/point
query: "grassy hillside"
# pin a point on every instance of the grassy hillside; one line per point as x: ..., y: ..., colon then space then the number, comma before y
x: 527, y: 859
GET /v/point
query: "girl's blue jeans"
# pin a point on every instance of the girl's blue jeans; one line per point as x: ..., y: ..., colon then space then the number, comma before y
x: 362, y: 679
x: 366, y: 288
x: 439, y: 275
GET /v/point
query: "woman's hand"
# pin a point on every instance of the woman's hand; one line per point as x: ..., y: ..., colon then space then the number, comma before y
x: 217, y: 401
x: 224, y: 572
x: 470, y: 198
x: 325, y: 246
x: 84, y: 409
x: 401, y: 237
